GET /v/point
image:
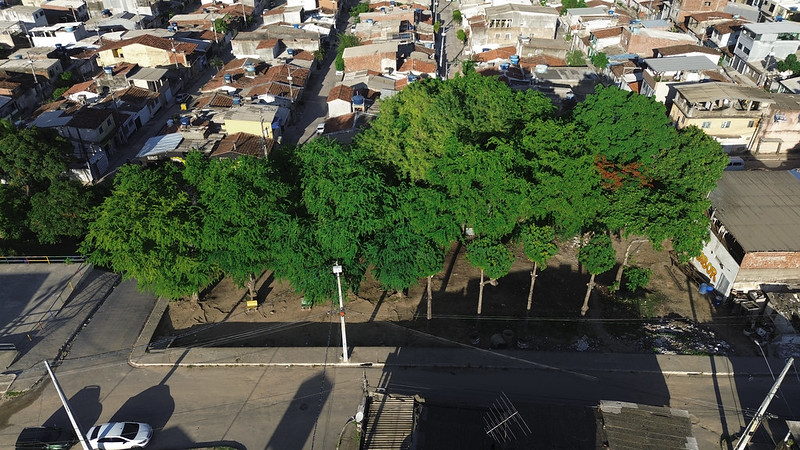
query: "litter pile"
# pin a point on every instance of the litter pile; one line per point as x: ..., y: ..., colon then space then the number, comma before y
x: 681, y: 337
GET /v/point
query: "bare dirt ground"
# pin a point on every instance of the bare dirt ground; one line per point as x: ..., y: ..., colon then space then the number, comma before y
x: 678, y: 318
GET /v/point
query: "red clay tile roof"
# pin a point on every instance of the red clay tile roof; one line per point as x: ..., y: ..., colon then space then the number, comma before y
x: 151, y: 41
x: 281, y: 73
x: 283, y: 90
x: 498, y: 53
x: 241, y: 144
x: 607, y: 32
x: 89, y: 118
x: 80, y: 87
x: 417, y: 65
x: 529, y: 62
x: 304, y: 56
x: 685, y: 48
x: 268, y: 43
x: 340, y: 92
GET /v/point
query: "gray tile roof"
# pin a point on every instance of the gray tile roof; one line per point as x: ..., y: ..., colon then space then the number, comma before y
x: 761, y: 209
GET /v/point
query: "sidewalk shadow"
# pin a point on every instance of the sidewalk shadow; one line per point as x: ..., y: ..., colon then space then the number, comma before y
x: 175, y: 437
x: 300, y: 419
x: 153, y: 406
x: 85, y: 406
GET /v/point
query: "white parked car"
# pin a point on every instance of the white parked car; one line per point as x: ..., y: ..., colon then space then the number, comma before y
x: 120, y: 435
x: 321, y: 128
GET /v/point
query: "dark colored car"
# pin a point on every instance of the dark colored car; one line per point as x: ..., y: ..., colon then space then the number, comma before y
x: 45, y: 438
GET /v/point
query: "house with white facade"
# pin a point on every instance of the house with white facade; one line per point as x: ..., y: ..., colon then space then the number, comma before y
x: 761, y: 45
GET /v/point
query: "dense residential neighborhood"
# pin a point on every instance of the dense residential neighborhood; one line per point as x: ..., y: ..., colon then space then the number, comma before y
x: 538, y: 224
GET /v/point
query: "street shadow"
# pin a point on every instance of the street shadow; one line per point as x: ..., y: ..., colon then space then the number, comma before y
x: 174, y: 437
x: 266, y: 288
x: 299, y: 422
x: 153, y: 406
x: 85, y: 406
x: 18, y: 291
x: 558, y: 410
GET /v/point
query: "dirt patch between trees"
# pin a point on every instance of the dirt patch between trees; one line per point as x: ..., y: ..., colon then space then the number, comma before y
x: 679, y: 319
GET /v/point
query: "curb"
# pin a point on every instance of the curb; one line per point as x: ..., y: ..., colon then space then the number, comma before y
x: 464, y: 357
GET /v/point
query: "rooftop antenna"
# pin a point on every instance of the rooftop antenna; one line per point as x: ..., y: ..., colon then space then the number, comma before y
x: 502, y: 419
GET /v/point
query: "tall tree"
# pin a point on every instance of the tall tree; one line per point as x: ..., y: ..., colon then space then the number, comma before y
x: 242, y: 201
x: 490, y: 257
x: 13, y: 206
x: 597, y: 256
x: 60, y: 211
x: 539, y: 246
x: 342, y: 191
x: 149, y: 229
x: 29, y: 157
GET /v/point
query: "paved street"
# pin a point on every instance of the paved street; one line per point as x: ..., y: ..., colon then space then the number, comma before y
x: 288, y: 398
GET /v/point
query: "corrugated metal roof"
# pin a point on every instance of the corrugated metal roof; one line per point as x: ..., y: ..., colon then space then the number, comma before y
x: 160, y: 144
x: 676, y: 63
x: 761, y: 209
x: 391, y: 421
x: 704, y: 92
x: 638, y: 427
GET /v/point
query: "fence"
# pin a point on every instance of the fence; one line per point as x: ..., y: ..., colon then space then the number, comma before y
x: 63, y: 295
x: 42, y: 259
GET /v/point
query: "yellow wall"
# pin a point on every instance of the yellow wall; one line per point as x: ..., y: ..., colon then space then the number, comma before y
x: 137, y: 54
x: 248, y: 126
x: 739, y: 126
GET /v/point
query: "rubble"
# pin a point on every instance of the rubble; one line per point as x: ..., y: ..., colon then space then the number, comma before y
x: 681, y: 337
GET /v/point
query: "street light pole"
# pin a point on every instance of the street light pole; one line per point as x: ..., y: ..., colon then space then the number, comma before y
x: 337, y: 269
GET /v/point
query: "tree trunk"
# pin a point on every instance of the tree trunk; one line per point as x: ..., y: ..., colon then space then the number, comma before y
x: 480, y: 294
x: 530, y: 291
x: 251, y: 287
x: 618, y: 278
x: 430, y: 296
x: 589, y: 287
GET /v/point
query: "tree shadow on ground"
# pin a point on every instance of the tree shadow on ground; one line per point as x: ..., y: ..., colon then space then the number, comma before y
x: 85, y: 406
x: 153, y: 406
x: 299, y: 420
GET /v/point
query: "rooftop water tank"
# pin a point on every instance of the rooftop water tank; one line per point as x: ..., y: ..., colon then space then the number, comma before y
x: 412, y: 77
x: 174, y: 24
x: 170, y: 28
x: 237, y: 101
x: 514, y: 59
x: 17, y: 56
x: 108, y: 70
x: 69, y: 29
x: 358, y: 100
x: 58, y: 46
x: 504, y: 66
x: 290, y: 51
x: 250, y: 69
x: 186, y: 121
x: 296, y: 25
x: 228, y: 77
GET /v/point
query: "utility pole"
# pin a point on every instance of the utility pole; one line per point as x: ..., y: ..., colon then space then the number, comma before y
x: 337, y: 269
x: 72, y: 419
x: 748, y: 432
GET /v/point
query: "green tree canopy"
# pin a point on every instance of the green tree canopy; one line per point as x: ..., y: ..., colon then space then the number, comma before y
x: 149, y: 229
x: 31, y: 157
x: 60, y: 211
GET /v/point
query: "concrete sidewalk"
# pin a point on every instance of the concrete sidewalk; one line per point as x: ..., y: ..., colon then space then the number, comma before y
x: 53, y: 341
x: 464, y: 356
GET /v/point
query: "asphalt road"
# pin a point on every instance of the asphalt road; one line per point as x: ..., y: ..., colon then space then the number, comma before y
x: 305, y: 408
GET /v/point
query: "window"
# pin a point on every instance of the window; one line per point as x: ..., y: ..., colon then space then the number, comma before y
x: 706, y: 124
x: 751, y: 124
x: 746, y: 50
x: 108, y: 121
x: 101, y: 129
x: 706, y: 3
x: 739, y: 46
x: 780, y: 118
x: 726, y: 124
x: 508, y: 36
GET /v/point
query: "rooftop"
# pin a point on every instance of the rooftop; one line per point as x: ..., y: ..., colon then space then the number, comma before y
x: 761, y: 209
x: 773, y: 27
x: 676, y: 63
x: 704, y: 92
x: 636, y: 427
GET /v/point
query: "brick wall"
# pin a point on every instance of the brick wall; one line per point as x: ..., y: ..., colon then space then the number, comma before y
x: 771, y: 260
